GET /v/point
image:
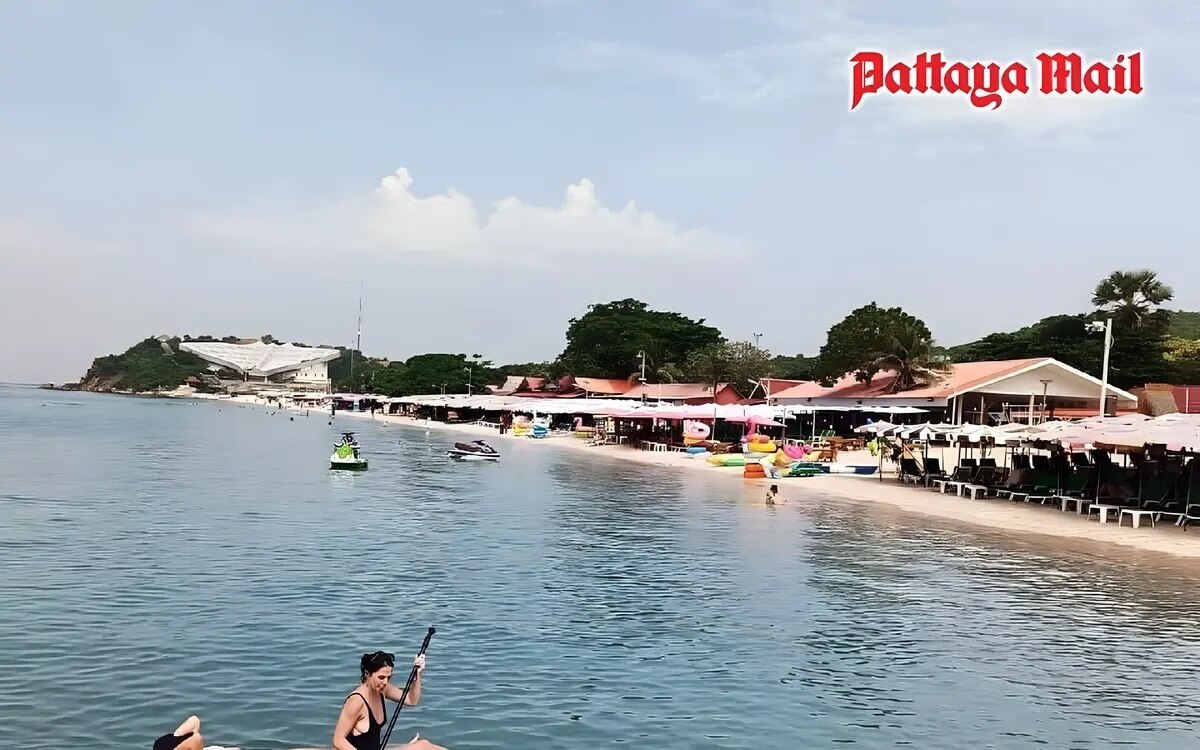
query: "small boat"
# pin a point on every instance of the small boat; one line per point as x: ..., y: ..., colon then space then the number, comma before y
x: 345, y: 454
x: 477, y: 450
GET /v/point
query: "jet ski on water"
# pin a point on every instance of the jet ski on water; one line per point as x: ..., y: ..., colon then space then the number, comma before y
x: 345, y: 454
x: 477, y: 450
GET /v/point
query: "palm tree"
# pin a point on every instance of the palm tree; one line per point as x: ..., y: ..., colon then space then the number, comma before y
x: 912, y: 356
x: 1131, y: 296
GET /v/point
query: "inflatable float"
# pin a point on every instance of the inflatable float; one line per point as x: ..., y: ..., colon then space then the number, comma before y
x: 727, y: 459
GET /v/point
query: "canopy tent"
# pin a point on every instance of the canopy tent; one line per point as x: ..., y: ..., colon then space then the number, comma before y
x: 876, y: 428
x: 1178, y: 432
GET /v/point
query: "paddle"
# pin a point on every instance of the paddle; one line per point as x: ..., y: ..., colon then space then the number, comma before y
x: 412, y: 676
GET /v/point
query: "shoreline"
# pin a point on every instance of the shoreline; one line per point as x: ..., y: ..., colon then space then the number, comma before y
x: 1015, y: 520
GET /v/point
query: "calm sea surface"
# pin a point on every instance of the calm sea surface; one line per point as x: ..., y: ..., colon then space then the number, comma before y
x: 159, y: 558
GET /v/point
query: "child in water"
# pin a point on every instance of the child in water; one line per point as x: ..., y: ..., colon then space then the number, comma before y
x: 773, y: 495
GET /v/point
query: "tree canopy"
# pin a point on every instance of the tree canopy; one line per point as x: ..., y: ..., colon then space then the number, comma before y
x: 148, y: 365
x: 1140, y: 328
x: 736, y: 362
x: 1131, y: 297
x: 856, y: 343
x: 606, y: 340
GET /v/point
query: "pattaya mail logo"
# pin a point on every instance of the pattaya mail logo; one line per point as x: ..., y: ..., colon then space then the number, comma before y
x: 986, y: 84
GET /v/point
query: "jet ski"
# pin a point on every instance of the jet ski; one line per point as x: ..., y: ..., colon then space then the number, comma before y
x: 345, y: 454
x: 477, y: 450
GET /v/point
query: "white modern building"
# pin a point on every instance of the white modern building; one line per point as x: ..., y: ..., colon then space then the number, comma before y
x: 277, y: 363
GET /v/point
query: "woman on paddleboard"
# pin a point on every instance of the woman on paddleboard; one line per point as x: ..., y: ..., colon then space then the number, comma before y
x: 186, y: 737
x: 364, y: 713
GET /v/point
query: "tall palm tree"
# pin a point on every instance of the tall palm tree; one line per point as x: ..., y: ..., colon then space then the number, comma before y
x: 912, y: 356
x: 1131, y: 296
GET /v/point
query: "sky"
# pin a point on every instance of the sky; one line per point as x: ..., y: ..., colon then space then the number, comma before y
x: 486, y: 170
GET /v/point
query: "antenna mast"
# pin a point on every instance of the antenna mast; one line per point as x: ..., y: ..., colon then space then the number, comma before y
x: 358, y: 339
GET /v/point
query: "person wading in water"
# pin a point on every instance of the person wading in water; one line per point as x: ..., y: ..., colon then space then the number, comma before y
x: 364, y: 712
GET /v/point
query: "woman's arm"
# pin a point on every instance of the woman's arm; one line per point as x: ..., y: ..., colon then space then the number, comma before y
x: 393, y: 692
x: 350, y: 716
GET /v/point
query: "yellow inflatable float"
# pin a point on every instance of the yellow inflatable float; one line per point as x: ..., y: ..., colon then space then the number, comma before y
x: 727, y: 459
x: 760, y: 444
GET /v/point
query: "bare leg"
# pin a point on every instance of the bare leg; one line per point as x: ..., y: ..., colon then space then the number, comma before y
x: 419, y: 744
x: 191, y: 725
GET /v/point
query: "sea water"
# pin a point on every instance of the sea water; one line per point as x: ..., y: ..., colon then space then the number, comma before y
x: 160, y: 558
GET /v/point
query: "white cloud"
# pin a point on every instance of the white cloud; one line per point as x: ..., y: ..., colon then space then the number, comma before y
x: 394, y: 224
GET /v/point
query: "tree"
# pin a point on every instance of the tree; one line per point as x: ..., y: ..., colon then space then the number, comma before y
x: 537, y: 369
x: 1184, y: 357
x: 855, y: 344
x: 389, y: 380
x: 731, y: 362
x: 798, y: 367
x: 910, y: 354
x: 427, y: 373
x: 1131, y: 297
x: 1184, y: 325
x: 606, y: 340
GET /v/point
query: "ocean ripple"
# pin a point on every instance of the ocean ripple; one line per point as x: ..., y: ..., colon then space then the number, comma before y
x: 164, y: 558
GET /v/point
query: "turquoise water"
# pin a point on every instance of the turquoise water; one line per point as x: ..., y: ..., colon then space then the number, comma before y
x: 160, y: 558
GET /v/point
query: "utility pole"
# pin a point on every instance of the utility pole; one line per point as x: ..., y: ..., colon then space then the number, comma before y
x: 757, y: 337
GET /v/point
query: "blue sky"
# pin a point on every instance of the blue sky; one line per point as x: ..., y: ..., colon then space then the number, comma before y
x: 490, y: 168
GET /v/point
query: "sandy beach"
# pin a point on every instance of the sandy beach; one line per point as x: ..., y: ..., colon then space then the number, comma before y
x: 1015, y: 520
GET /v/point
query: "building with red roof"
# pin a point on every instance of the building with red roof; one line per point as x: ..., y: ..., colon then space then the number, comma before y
x: 977, y: 392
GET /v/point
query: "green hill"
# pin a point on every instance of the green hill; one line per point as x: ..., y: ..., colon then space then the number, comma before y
x: 150, y: 364
x: 1184, y: 324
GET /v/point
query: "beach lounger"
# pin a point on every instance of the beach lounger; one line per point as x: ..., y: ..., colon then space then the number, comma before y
x: 961, y: 475
x: 910, y: 471
x: 1044, y: 484
x: 933, y: 471
x: 981, y: 484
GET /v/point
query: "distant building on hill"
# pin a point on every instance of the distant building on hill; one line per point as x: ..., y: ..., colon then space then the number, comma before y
x: 300, y: 366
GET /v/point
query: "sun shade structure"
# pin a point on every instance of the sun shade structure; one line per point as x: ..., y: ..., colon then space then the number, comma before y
x: 268, y: 361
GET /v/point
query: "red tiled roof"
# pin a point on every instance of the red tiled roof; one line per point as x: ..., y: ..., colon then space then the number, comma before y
x: 510, y: 385
x: 776, y: 385
x: 962, y: 378
x: 606, y: 386
x: 673, y: 391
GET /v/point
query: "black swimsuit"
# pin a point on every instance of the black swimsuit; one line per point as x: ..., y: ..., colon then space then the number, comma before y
x: 370, y: 739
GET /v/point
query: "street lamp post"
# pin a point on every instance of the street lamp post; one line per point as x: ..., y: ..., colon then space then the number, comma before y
x: 1106, y: 329
x: 1045, y: 388
x: 642, y: 379
x: 469, y: 373
x: 442, y: 386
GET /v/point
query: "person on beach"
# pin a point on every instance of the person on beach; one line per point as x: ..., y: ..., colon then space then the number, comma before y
x: 773, y: 495
x: 364, y: 712
x: 185, y: 737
